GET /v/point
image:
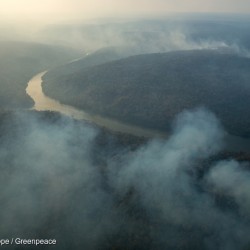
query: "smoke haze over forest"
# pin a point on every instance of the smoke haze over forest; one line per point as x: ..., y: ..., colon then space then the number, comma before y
x: 57, y: 183
x: 178, y: 68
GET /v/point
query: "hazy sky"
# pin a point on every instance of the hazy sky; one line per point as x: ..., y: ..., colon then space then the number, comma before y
x: 68, y: 9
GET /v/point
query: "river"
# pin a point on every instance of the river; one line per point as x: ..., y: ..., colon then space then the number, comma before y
x: 45, y: 103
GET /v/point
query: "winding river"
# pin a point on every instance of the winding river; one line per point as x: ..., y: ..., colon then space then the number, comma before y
x: 45, y: 103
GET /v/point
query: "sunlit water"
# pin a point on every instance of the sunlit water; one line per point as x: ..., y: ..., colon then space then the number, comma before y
x: 45, y: 103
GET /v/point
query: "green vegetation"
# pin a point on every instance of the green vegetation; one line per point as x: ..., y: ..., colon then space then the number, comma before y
x: 149, y: 90
x: 19, y: 61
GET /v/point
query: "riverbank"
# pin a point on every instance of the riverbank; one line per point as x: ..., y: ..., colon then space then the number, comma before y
x: 44, y: 103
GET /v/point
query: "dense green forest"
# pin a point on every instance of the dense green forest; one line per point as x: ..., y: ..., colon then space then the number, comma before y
x: 19, y: 61
x: 149, y: 90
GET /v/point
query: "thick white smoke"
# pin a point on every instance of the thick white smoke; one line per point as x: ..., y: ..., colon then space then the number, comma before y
x: 230, y: 178
x: 59, y: 181
x: 164, y: 175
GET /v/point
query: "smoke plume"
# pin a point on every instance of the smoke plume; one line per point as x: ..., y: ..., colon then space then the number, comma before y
x: 63, y: 179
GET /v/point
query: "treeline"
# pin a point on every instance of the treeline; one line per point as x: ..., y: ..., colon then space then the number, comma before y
x: 149, y: 90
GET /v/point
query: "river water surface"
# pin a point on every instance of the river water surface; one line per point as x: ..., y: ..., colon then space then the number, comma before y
x: 45, y: 103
